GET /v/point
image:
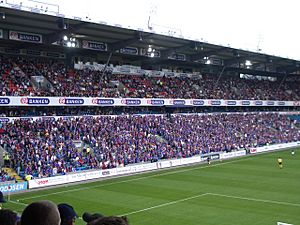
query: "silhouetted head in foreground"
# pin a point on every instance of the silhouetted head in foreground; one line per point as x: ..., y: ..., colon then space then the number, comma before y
x: 41, y: 213
x: 110, y: 220
x: 8, y: 217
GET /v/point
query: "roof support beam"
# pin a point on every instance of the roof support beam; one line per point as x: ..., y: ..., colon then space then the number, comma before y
x: 169, y: 51
x: 124, y: 43
x: 203, y: 54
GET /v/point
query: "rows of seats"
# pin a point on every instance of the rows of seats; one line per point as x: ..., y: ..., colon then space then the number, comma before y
x: 48, y: 147
x: 13, y: 82
x: 16, y: 80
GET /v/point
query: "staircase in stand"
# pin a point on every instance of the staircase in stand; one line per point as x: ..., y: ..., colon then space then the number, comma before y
x: 12, y: 173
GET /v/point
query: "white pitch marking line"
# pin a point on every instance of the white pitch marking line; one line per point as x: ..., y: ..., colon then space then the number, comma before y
x: 18, y: 203
x: 165, y: 204
x: 215, y: 194
x: 256, y: 200
x: 134, y: 179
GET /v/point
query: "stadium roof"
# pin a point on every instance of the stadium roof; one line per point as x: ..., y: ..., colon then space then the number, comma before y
x: 196, y: 54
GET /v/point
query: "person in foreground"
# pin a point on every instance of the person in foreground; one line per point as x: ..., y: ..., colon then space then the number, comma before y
x: 67, y: 213
x: 2, y: 200
x: 89, y: 217
x: 41, y: 213
x: 110, y: 220
x: 8, y: 217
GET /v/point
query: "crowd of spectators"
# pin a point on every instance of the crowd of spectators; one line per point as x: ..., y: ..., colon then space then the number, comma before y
x: 16, y: 74
x: 123, y: 110
x: 49, y: 147
x: 13, y: 82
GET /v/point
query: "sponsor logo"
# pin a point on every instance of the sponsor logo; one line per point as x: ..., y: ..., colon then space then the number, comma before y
x: 14, y: 35
x: 35, y: 101
x: 106, y: 172
x: 4, y: 120
x: 212, y: 157
x: 216, y: 156
x: 71, y: 101
x: 26, y: 118
x: 281, y: 103
x: 231, y: 102
x: 215, y: 102
x: 258, y: 102
x: 68, y: 117
x: 4, y: 101
x: 124, y: 170
x: 103, y: 101
x: 296, y: 103
x: 94, y: 45
x: 156, y: 102
x: 131, y: 101
x: 13, y: 187
x: 178, y: 102
x: 245, y: 102
x: 42, y: 182
x: 253, y: 150
x: 48, y: 118
x: 169, y: 74
x: 129, y: 50
x: 271, y: 103
x: 198, y: 102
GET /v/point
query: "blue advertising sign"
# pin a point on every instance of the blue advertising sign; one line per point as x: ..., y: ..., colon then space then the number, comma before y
x: 16, y: 187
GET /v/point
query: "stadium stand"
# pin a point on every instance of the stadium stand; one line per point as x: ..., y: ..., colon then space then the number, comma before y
x: 113, y: 136
x: 49, y: 147
x: 52, y: 141
x: 18, y: 80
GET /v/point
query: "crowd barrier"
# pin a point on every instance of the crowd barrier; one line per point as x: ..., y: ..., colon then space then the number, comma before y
x: 87, y: 175
x: 96, y: 174
x: 274, y: 147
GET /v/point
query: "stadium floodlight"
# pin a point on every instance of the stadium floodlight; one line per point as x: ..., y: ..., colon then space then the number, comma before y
x: 2, y: 15
x: 248, y: 63
x: 140, y: 36
x: 152, y: 54
x: 69, y: 44
x: 149, y: 48
x: 208, y: 62
x: 65, y: 37
x: 73, y: 44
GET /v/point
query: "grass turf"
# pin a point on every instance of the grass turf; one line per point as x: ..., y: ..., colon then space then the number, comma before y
x: 245, y: 191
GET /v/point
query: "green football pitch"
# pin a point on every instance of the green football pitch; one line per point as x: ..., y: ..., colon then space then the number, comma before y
x: 246, y: 191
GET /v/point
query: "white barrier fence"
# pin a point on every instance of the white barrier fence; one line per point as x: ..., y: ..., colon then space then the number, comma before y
x: 274, y: 147
x: 87, y: 175
x: 232, y: 154
x: 95, y: 174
